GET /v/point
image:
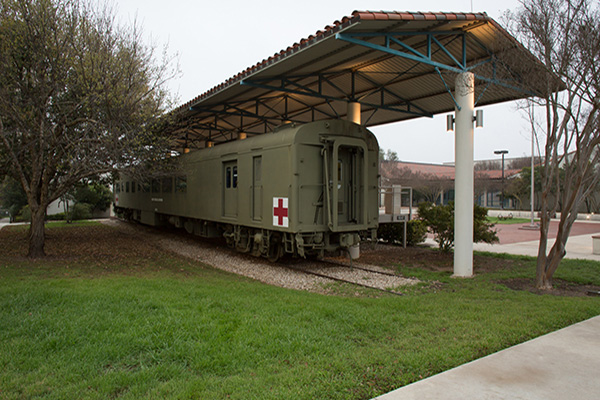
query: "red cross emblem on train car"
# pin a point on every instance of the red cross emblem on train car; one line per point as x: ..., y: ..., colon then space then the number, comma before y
x: 280, y: 211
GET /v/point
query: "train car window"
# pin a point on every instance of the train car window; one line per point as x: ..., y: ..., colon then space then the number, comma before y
x: 144, y: 187
x: 228, y: 177
x: 181, y: 184
x: 155, y: 186
x: 126, y: 187
x: 235, y: 176
x: 167, y: 185
x: 117, y: 187
x: 257, y: 169
x: 133, y: 187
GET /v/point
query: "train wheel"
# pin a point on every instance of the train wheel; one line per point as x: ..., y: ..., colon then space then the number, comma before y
x: 275, y: 248
x: 229, y: 236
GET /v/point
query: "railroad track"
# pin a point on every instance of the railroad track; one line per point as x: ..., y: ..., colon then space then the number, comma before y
x: 352, y: 266
x: 310, y: 267
x: 222, y: 257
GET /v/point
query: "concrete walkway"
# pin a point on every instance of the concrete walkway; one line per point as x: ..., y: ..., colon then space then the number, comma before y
x: 560, y: 365
x: 577, y: 247
x: 515, y: 240
x: 6, y: 222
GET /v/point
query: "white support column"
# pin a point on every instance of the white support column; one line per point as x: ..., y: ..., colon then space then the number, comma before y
x: 354, y: 112
x: 463, y: 182
x: 354, y: 116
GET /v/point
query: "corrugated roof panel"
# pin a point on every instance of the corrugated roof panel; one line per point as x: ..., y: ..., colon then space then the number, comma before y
x: 315, y: 78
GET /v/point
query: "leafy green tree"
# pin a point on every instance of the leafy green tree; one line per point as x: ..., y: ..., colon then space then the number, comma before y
x: 95, y: 194
x: 13, y: 197
x: 79, y: 96
x: 440, y: 220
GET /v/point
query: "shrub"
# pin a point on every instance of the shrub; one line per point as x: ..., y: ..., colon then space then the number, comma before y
x: 394, y: 232
x: 56, y: 217
x: 440, y: 220
x: 80, y: 211
x: 24, y: 215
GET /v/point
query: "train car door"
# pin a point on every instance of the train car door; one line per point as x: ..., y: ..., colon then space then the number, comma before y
x: 230, y: 183
x: 348, y: 184
x: 346, y: 189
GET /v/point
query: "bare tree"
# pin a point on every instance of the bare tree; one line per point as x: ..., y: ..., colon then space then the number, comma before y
x: 487, y: 165
x: 429, y: 186
x: 79, y: 96
x: 519, y: 163
x: 565, y: 36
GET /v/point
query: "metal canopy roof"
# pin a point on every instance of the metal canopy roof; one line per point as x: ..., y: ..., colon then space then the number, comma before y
x: 398, y: 65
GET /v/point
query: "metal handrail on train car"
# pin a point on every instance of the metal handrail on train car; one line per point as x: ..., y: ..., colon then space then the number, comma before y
x: 324, y: 152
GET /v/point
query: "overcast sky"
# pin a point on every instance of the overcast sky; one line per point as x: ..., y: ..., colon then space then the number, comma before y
x: 216, y: 40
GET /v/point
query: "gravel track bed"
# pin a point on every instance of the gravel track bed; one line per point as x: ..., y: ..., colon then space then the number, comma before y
x: 259, y: 269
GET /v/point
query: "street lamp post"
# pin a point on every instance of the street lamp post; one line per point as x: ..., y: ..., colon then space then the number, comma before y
x: 502, y: 152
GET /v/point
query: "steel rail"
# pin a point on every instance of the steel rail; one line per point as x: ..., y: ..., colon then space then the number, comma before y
x: 343, y: 280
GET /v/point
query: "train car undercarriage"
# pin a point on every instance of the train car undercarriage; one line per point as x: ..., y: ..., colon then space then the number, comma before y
x: 255, y: 241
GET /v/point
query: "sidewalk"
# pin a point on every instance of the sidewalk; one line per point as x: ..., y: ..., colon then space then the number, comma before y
x: 577, y: 247
x: 515, y: 240
x: 6, y: 222
x: 560, y: 365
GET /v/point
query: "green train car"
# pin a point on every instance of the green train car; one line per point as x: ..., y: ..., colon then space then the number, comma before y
x: 302, y: 190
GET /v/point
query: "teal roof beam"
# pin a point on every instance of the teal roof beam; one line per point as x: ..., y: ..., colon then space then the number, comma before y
x: 353, y: 38
x: 462, y: 67
x: 383, y: 90
x: 283, y: 88
x: 448, y: 88
x: 486, y: 61
x: 312, y: 93
x: 506, y: 85
x: 407, y: 47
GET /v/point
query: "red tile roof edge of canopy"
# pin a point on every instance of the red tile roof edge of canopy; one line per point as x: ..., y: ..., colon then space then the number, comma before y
x: 331, y: 30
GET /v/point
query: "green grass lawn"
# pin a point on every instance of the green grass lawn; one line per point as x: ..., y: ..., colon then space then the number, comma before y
x: 107, y: 315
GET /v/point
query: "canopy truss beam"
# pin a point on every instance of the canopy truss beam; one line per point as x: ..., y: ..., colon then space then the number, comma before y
x: 316, y: 89
x: 430, y: 44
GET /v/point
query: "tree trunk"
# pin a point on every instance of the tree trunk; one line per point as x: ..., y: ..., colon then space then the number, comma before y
x: 37, y: 234
x: 543, y: 281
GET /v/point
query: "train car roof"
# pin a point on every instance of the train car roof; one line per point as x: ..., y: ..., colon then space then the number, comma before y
x: 398, y: 65
x: 286, y: 135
